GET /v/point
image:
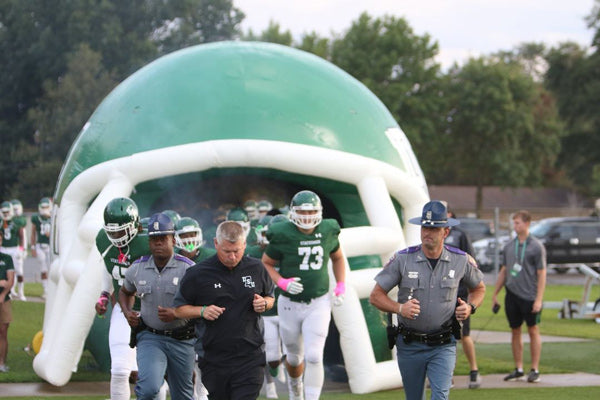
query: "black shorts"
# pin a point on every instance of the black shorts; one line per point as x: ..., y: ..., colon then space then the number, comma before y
x: 518, y: 310
x: 241, y: 382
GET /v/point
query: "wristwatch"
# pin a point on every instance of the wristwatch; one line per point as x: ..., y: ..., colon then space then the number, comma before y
x: 473, y: 308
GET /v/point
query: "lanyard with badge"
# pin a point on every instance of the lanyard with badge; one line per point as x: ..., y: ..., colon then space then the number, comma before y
x: 518, y: 266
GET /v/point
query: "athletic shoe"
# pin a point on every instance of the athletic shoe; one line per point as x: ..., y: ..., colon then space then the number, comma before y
x: 534, y: 376
x: 4, y: 368
x: 296, y: 389
x: 516, y: 375
x: 271, y: 390
x: 22, y: 297
x: 474, y: 379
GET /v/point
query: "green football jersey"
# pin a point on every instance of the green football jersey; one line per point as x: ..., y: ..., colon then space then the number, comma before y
x: 118, y: 260
x: 304, y: 256
x: 42, y: 228
x: 21, y: 221
x: 6, y: 264
x: 10, y: 233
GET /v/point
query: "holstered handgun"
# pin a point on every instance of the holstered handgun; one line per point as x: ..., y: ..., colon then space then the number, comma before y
x: 133, y: 334
x: 392, y: 332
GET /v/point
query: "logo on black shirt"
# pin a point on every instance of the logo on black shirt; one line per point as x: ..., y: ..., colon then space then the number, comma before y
x: 248, y: 282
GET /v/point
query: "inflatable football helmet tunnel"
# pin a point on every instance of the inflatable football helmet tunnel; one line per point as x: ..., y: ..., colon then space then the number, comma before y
x: 219, y: 124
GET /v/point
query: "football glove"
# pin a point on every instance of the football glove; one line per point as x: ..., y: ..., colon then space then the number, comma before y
x: 291, y: 285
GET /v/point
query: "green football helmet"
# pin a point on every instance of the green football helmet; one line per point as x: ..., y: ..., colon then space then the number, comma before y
x: 121, y: 220
x: 264, y: 206
x: 17, y: 207
x: 261, y: 230
x: 251, y: 208
x: 144, y: 223
x: 7, y: 210
x: 241, y: 217
x: 188, y: 235
x: 306, y: 211
x: 174, y: 215
x: 45, y: 207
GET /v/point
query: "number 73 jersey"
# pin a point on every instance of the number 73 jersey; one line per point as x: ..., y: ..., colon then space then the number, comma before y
x: 304, y: 256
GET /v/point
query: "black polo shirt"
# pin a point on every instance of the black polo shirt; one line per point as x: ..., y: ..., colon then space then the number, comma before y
x: 237, y: 335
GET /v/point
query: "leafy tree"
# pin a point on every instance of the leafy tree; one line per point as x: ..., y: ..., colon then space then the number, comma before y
x: 399, y: 67
x: 315, y: 44
x: 503, y: 125
x: 273, y: 34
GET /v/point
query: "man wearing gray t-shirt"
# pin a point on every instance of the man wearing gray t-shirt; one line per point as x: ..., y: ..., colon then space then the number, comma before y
x: 523, y: 272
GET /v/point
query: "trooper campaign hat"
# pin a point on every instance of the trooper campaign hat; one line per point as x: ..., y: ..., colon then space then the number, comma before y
x: 160, y: 224
x: 435, y: 215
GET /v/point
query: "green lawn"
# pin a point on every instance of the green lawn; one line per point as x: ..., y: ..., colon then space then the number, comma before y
x: 492, y: 358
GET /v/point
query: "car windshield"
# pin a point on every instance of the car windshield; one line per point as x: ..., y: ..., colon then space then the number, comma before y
x: 540, y: 229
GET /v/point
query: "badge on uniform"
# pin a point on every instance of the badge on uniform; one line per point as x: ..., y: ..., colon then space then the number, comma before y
x: 451, y: 274
x: 175, y: 280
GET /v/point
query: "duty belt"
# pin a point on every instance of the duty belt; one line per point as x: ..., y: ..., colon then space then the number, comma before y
x: 183, y: 333
x: 437, y: 338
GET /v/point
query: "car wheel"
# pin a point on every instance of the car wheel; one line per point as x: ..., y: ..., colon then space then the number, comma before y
x: 561, y: 270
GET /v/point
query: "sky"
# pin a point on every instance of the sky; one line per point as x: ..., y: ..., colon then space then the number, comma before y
x: 462, y: 28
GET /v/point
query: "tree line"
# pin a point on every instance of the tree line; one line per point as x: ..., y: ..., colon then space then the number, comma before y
x: 523, y: 116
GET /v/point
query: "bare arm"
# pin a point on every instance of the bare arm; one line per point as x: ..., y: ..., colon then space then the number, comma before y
x: 338, y: 265
x: 269, y: 264
x: 126, y: 300
x: 541, y: 287
x: 500, y: 281
x: 380, y: 299
x: 189, y: 311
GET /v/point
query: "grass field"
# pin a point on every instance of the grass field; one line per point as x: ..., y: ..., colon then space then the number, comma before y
x: 557, y: 357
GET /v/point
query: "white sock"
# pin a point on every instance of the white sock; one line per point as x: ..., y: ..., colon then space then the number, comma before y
x: 21, y: 288
x: 119, y: 387
x: 314, y: 376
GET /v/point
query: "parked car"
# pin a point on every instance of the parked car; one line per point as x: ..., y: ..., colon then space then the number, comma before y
x: 476, y: 228
x: 568, y: 240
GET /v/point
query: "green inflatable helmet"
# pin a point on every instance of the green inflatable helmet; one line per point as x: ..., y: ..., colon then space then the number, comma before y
x: 208, y: 114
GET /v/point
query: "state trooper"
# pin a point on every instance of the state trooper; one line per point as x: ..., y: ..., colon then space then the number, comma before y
x: 429, y: 314
x: 165, y: 344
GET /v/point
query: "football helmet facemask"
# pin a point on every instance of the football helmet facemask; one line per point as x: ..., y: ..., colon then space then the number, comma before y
x: 188, y: 235
x: 121, y: 220
x: 45, y: 207
x: 306, y: 211
x: 7, y: 211
x: 261, y: 230
x: 17, y: 207
x: 251, y: 208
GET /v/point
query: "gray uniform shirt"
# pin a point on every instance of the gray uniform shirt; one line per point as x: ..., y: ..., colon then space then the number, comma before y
x: 436, y: 289
x: 521, y: 267
x: 156, y: 288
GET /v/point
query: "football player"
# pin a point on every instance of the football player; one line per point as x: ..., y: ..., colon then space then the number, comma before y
x: 264, y: 206
x: 40, y: 238
x: 251, y: 208
x: 301, y: 248
x: 241, y: 217
x: 13, y: 232
x: 120, y: 245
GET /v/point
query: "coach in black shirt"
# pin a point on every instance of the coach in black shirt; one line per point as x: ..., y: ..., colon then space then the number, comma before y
x: 227, y: 293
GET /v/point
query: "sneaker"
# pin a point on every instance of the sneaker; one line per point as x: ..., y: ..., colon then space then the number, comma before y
x: 22, y: 297
x: 296, y: 389
x: 533, y: 376
x: 516, y: 375
x: 474, y: 379
x: 271, y: 390
x: 4, y: 368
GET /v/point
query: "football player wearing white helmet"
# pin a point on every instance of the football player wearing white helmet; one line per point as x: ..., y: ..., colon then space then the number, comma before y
x: 301, y: 249
x: 120, y: 245
x: 40, y: 238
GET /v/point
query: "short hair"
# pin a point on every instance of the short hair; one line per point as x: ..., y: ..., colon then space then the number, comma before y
x: 230, y: 231
x: 523, y: 214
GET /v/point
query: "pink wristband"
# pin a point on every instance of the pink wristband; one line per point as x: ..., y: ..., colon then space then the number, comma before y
x: 102, y: 298
x: 340, y: 288
x: 284, y: 282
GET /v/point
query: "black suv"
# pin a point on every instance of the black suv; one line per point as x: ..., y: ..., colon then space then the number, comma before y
x: 569, y: 240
